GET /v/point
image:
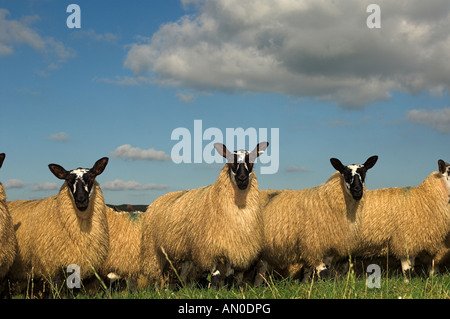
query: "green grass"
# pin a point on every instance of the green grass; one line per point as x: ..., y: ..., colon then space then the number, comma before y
x: 349, y: 286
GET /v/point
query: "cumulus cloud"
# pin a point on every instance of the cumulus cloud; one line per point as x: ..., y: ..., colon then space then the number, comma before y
x: 14, y: 33
x: 93, y: 35
x: 14, y: 183
x: 438, y: 120
x: 185, y: 97
x: 294, y: 168
x: 134, y: 153
x: 311, y: 48
x: 59, y: 137
x: 47, y: 186
x: 119, y: 185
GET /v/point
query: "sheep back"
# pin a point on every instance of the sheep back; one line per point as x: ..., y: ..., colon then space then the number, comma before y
x: 207, y: 224
x: 405, y: 221
x: 306, y: 225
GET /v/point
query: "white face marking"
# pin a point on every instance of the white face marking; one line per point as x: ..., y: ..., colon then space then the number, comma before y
x: 354, y: 167
x: 241, y: 160
x: 241, y: 156
x: 79, y: 172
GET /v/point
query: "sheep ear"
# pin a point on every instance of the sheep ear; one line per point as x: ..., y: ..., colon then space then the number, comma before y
x: 337, y: 165
x: 441, y: 165
x: 222, y: 149
x: 259, y: 149
x: 2, y: 158
x: 370, y: 162
x: 58, y: 171
x: 99, y: 166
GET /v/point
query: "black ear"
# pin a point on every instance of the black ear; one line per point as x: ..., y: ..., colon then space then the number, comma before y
x: 259, y: 149
x: 222, y: 149
x: 99, y: 166
x: 337, y: 165
x: 58, y: 171
x: 441, y: 165
x: 2, y: 158
x: 370, y: 162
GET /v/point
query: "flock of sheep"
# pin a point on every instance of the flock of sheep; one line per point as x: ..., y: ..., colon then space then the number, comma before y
x: 226, y: 230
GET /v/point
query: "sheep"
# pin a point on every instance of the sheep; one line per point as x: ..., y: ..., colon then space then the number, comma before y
x: 406, y: 221
x: 216, y: 229
x: 68, y: 228
x: 8, y: 242
x: 312, y: 225
x: 124, y: 248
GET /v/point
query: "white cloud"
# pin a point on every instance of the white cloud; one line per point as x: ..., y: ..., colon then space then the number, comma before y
x: 134, y: 153
x: 185, y: 97
x: 14, y: 183
x: 438, y: 120
x: 294, y: 168
x: 91, y: 34
x: 119, y: 185
x: 14, y: 33
x: 314, y: 48
x: 59, y: 137
x: 47, y: 186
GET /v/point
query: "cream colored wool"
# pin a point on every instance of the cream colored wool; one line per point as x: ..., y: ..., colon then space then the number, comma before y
x: 52, y: 234
x: 205, y: 225
x: 442, y: 257
x: 8, y: 243
x: 405, y: 221
x: 309, y: 224
x: 148, y: 257
x: 124, y: 245
x: 16, y: 203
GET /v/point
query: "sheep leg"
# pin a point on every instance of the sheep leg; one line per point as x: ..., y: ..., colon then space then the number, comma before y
x: 215, y: 277
x: 229, y: 275
x: 407, y: 267
x: 239, y: 277
x: 186, y: 268
x: 323, y: 269
x: 433, y: 268
x: 307, y: 274
x: 261, y: 270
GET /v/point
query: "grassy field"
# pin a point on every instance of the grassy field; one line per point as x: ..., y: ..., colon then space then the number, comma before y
x: 348, y: 286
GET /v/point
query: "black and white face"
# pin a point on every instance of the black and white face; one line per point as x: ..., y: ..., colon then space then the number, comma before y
x: 444, y: 168
x: 354, y: 175
x: 80, y: 181
x: 241, y: 169
x: 241, y: 163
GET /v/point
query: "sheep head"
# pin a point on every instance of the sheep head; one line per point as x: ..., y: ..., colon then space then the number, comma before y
x: 241, y: 163
x: 444, y: 169
x: 80, y: 181
x: 354, y: 175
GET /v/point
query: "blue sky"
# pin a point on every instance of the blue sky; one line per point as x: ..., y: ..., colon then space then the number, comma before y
x: 136, y: 71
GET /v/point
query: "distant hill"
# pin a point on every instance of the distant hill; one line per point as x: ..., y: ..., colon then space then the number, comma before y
x: 129, y: 207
